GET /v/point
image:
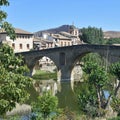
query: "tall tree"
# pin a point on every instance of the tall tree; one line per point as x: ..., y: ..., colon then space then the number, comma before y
x: 13, y: 83
x: 92, y: 35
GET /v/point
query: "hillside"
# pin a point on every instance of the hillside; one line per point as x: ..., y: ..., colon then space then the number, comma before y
x: 112, y: 34
x: 53, y: 30
x: 107, y: 34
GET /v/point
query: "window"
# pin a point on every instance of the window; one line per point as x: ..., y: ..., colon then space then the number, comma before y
x: 20, y: 46
x: 28, y: 46
x: 61, y: 43
x: 13, y: 45
x: 75, y: 32
x: 68, y: 43
x: 64, y: 43
x: 48, y: 45
x: 51, y: 44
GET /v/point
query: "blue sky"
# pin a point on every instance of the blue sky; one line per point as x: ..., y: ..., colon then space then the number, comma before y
x: 35, y: 15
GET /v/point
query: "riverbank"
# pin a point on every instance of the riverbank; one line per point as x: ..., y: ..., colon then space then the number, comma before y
x: 20, y: 110
x: 44, y: 75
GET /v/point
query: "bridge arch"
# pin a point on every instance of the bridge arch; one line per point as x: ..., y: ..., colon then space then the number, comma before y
x: 76, y: 67
x: 36, y: 61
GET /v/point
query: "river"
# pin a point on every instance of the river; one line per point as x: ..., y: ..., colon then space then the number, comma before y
x: 63, y: 90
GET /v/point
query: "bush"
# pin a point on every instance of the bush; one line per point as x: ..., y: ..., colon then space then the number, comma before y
x: 46, y: 105
x: 116, y: 105
x: 116, y: 118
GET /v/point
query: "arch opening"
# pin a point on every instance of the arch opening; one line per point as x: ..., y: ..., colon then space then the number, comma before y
x: 45, y: 68
x: 76, y: 68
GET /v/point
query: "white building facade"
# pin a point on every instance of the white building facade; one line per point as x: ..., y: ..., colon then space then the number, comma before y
x: 22, y: 43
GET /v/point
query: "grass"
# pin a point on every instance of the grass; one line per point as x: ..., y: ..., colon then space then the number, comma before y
x: 44, y: 75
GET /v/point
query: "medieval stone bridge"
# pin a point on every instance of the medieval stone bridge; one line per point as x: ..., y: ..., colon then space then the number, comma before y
x: 65, y: 58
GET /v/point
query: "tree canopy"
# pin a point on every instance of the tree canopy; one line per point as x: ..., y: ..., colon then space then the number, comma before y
x: 45, y: 105
x: 92, y: 35
x: 4, y: 25
x: 100, y: 87
x: 113, y: 41
x: 13, y: 83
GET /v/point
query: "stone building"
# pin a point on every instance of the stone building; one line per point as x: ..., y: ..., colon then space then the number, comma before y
x: 23, y: 41
x: 63, y: 38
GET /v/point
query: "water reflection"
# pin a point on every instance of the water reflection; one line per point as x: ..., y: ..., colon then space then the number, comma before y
x: 45, y: 85
x: 67, y: 97
x: 63, y: 90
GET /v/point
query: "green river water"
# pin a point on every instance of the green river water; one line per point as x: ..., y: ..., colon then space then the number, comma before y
x: 65, y: 93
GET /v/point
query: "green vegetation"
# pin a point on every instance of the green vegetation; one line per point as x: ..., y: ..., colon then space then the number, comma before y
x: 45, y: 106
x: 12, y: 70
x: 91, y: 95
x: 4, y: 24
x: 113, y: 41
x: 44, y: 75
x: 96, y: 58
x: 115, y: 118
x: 92, y: 99
x: 115, y: 104
x: 92, y: 35
x: 12, y: 79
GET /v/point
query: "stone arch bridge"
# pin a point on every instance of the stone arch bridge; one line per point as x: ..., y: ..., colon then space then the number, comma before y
x: 66, y: 57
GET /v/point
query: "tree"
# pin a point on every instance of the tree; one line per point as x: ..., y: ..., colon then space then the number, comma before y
x: 115, y: 70
x: 93, y: 57
x: 113, y: 41
x: 13, y: 83
x: 115, y: 103
x: 46, y: 104
x: 98, y: 78
x: 4, y: 24
x: 91, y: 98
x: 87, y: 99
x: 92, y: 35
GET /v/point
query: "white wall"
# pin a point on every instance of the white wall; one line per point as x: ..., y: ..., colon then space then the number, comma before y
x: 19, y: 40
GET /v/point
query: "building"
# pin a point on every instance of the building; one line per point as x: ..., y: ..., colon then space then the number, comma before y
x: 40, y: 43
x: 51, y: 40
x: 23, y: 41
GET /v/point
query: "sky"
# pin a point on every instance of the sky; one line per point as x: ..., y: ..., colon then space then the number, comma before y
x: 36, y: 15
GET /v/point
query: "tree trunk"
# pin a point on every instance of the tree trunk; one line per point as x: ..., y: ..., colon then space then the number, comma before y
x: 98, y: 96
x: 117, y: 88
